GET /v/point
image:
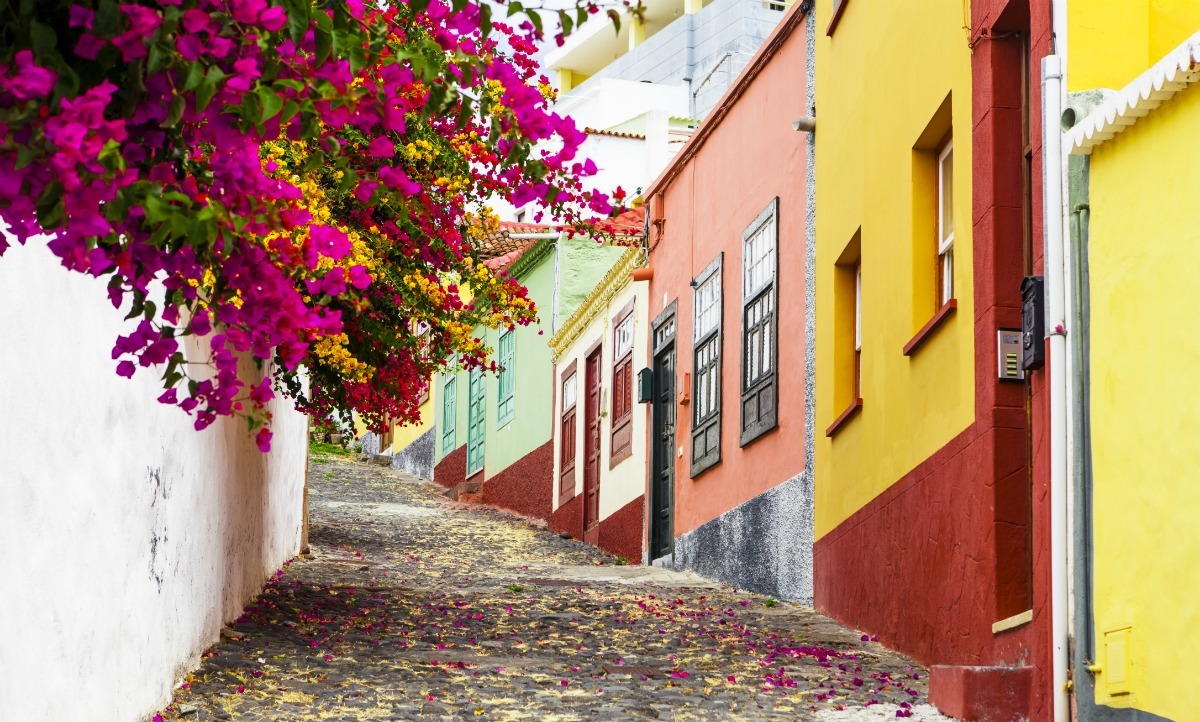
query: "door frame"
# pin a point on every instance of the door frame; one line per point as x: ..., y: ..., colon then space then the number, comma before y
x: 666, y: 320
x: 591, y: 527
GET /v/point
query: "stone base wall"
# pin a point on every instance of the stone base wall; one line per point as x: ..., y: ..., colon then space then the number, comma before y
x: 417, y: 457
x: 764, y: 545
x: 451, y: 470
x: 525, y: 486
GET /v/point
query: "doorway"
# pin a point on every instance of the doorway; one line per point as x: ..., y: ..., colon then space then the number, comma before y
x: 662, y: 431
x: 591, y: 448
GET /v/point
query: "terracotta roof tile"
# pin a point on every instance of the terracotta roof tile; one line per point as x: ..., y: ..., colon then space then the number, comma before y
x: 613, y: 133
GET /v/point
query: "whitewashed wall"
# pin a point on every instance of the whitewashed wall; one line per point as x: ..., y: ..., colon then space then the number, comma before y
x: 627, y: 480
x: 126, y: 538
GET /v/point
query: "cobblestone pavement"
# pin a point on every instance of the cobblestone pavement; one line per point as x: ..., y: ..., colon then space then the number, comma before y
x: 412, y: 607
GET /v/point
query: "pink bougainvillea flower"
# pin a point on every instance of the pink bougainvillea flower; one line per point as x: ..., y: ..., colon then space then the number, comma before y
x: 382, y: 147
x: 29, y: 79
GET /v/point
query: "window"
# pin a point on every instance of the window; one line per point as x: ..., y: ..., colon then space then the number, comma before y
x: 706, y: 367
x: 504, y: 404
x: 847, y: 334
x: 760, y: 388
x: 945, y: 247
x: 858, y: 331
x: 449, y: 412
x: 621, y: 447
x: 476, y: 406
x: 567, y: 436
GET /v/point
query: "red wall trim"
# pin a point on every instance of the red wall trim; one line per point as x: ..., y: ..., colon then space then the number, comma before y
x: 927, y: 330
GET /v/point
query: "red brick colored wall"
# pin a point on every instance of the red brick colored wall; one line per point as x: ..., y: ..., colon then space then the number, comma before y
x: 569, y: 517
x: 525, y: 486
x: 451, y: 470
x: 915, y: 565
x: 622, y: 532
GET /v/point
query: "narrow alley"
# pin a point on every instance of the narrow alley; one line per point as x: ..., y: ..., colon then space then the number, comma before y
x: 413, y: 607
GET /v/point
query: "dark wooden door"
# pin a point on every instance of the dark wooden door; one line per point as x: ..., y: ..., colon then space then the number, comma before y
x: 591, y: 450
x: 662, y: 479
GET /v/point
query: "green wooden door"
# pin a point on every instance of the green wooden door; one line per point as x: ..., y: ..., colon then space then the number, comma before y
x: 476, y: 418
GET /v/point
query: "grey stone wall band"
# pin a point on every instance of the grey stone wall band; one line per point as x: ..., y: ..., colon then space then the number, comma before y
x: 417, y: 458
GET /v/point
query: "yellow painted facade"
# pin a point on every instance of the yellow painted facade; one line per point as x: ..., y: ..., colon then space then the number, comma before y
x: 1143, y: 251
x: 882, y: 78
x: 1111, y: 42
x: 402, y: 436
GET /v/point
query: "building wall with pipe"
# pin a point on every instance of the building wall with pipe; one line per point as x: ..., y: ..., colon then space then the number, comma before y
x: 1142, y: 233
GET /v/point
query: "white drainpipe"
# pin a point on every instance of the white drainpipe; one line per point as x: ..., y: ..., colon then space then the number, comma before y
x: 1056, y: 328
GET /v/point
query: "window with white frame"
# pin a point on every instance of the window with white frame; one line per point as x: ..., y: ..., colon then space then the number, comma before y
x: 945, y: 224
x: 759, y: 324
x: 706, y: 367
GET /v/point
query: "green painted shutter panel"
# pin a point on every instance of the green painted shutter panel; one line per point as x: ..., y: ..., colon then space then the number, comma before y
x: 504, y: 406
x: 449, y: 414
x: 476, y: 406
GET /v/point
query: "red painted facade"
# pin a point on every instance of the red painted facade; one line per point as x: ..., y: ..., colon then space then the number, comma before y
x: 962, y: 541
x: 621, y: 532
x: 451, y: 470
x: 525, y: 485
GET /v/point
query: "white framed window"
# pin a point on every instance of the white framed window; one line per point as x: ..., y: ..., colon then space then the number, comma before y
x: 945, y: 246
x: 706, y: 367
x: 569, y: 392
x: 760, y: 241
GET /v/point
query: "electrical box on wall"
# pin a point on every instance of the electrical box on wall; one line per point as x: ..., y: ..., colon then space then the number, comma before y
x: 1008, y: 349
x: 1033, y: 324
x: 645, y: 386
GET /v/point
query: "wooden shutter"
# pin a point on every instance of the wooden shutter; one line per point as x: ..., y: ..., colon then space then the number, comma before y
x: 476, y: 420
x: 707, y: 318
x: 621, y: 446
x: 568, y: 435
x: 760, y: 337
x: 504, y: 406
x: 449, y: 414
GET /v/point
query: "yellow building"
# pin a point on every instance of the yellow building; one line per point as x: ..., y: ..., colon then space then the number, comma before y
x: 1136, y: 222
x: 924, y: 465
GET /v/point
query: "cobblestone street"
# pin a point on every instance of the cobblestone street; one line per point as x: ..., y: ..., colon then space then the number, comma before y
x: 412, y: 607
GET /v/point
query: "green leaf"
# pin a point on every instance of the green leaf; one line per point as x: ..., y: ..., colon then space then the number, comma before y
x: 270, y: 101
x: 50, y: 209
x: 485, y: 19
x: 150, y: 310
x: 195, y: 74
x: 514, y: 8
x: 158, y: 58
x: 418, y: 6
x: 324, y: 35
x: 565, y: 22
x: 208, y: 87
x: 616, y: 19
x: 290, y: 109
x: 175, y: 112
x: 299, y: 14
x: 43, y: 39
x: 458, y: 5
x: 536, y: 18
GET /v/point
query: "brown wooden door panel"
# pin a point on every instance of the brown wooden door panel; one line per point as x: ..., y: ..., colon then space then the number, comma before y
x: 591, y: 469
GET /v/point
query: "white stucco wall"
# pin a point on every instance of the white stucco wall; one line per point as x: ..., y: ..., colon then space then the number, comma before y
x: 627, y: 480
x: 126, y: 537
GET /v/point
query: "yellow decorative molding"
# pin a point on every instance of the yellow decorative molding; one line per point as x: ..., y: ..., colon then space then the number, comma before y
x: 613, y: 282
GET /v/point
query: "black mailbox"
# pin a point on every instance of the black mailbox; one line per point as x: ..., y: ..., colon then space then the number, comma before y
x: 1033, y: 323
x: 645, y: 386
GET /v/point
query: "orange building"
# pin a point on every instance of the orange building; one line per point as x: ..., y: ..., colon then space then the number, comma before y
x: 730, y: 492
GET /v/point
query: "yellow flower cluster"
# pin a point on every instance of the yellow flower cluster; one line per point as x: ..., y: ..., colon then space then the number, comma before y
x: 548, y: 91
x: 431, y: 289
x: 332, y: 351
x: 421, y: 149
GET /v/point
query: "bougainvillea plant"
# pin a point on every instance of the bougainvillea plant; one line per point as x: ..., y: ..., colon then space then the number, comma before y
x: 293, y: 184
